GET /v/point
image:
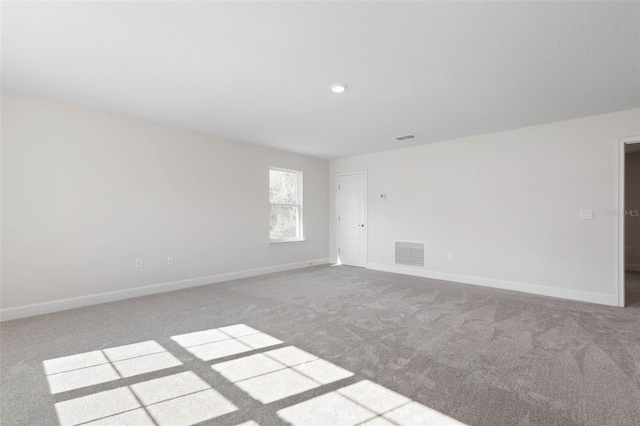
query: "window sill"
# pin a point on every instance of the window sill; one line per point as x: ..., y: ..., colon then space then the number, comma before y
x: 286, y: 243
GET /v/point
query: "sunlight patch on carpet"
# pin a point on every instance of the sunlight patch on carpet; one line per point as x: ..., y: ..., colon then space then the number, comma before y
x: 185, y: 398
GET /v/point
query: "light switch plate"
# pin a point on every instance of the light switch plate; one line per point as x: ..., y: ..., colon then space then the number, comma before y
x: 586, y: 214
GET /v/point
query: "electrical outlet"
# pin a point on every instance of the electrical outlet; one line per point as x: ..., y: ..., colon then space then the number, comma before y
x: 139, y: 262
x: 450, y: 254
x: 170, y: 260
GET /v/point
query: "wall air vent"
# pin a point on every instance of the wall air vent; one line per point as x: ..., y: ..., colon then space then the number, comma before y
x: 411, y: 254
x: 401, y: 138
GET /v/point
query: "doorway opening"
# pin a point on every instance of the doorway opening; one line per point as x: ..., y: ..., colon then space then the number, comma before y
x: 629, y: 216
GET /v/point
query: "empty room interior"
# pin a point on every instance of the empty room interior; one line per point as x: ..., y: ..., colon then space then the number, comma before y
x: 320, y: 213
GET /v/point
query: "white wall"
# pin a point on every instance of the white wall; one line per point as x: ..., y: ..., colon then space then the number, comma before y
x: 85, y: 193
x: 507, y: 204
x: 632, y: 202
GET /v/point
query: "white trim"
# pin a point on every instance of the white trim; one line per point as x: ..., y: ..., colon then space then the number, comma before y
x: 630, y: 139
x: 563, y: 293
x: 632, y: 267
x: 94, y: 299
x: 282, y: 169
x: 366, y: 213
x: 620, y: 268
x: 276, y: 243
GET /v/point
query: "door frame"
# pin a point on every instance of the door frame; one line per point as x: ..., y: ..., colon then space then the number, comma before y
x: 366, y: 214
x: 621, y: 215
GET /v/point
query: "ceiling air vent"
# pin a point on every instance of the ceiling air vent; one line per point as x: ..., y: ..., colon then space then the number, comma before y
x: 401, y: 138
x: 410, y: 254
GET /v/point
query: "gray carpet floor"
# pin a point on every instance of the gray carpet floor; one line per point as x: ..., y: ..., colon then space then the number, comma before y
x: 478, y: 355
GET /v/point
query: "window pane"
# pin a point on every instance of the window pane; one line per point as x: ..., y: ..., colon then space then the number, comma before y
x: 284, y: 222
x: 283, y: 187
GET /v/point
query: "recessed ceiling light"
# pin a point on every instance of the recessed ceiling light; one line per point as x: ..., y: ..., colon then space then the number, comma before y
x: 338, y: 88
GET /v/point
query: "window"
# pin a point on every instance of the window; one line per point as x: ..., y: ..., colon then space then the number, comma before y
x: 285, y: 197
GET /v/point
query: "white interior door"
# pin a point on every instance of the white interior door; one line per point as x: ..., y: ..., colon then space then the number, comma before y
x: 352, y: 219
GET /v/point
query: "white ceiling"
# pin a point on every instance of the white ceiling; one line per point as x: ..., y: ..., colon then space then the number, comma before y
x: 260, y: 72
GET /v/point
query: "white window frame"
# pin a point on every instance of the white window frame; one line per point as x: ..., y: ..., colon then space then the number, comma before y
x: 297, y: 206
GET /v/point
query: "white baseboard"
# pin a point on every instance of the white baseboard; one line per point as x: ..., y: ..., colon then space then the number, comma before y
x: 632, y: 267
x: 78, y: 302
x: 563, y: 293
